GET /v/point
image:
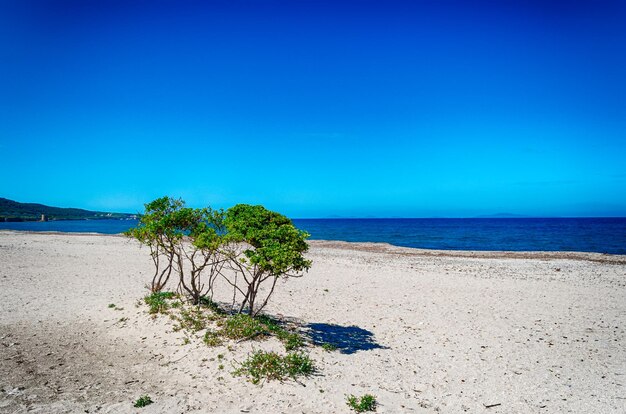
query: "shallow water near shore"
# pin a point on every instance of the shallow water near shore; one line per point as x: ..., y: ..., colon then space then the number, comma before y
x: 600, y: 235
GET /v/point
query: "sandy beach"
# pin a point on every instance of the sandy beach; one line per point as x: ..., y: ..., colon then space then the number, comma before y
x: 424, y: 331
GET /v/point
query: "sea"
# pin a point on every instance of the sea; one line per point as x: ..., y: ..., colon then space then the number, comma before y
x: 601, y: 235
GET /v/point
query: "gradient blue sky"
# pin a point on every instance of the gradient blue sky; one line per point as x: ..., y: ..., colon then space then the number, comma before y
x: 317, y: 108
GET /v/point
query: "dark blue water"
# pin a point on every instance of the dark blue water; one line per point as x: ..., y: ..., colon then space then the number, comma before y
x: 603, y: 235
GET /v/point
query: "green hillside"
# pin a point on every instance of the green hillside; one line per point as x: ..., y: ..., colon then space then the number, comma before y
x: 14, y: 211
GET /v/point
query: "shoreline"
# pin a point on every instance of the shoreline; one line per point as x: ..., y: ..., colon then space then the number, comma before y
x: 388, y: 248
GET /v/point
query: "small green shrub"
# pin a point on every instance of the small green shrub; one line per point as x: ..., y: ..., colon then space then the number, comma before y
x: 298, y: 363
x: 328, y: 347
x: 212, y: 338
x: 191, y: 319
x: 242, y: 326
x: 361, y: 404
x: 157, y: 301
x: 143, y: 401
x: 291, y: 340
x: 111, y: 305
x: 270, y: 366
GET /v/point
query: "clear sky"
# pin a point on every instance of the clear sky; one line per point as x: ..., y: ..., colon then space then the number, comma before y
x: 317, y: 108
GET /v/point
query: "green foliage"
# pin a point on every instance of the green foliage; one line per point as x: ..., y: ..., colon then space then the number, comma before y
x: 111, y: 305
x: 193, y: 320
x: 157, y: 301
x: 195, y: 243
x: 277, y: 244
x: 274, y: 248
x: 212, y: 338
x: 143, y: 401
x: 272, y: 366
x: 291, y: 340
x: 164, y: 226
x: 328, y: 347
x: 242, y: 327
x: 298, y: 363
x: 361, y: 404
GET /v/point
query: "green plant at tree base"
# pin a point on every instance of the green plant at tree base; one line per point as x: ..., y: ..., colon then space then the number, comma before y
x: 143, y: 401
x: 242, y: 326
x: 291, y: 340
x: 361, y: 404
x: 193, y: 320
x: 270, y: 366
x: 212, y: 338
x: 157, y: 301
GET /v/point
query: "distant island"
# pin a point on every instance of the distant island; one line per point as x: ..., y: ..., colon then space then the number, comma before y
x: 15, y: 211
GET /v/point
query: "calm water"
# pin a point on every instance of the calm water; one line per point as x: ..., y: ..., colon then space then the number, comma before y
x: 604, y: 235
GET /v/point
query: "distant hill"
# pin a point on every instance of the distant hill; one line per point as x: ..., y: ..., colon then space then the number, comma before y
x: 15, y: 211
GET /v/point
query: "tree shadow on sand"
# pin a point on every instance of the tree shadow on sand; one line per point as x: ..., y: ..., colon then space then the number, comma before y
x: 347, y: 339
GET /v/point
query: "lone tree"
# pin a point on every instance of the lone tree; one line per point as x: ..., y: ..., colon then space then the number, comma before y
x: 263, y: 245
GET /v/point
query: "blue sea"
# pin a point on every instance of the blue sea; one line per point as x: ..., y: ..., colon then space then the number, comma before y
x: 602, y: 235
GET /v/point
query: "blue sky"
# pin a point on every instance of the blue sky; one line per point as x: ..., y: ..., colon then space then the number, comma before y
x: 315, y: 108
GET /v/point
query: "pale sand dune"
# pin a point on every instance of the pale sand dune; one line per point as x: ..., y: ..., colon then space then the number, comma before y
x: 424, y: 331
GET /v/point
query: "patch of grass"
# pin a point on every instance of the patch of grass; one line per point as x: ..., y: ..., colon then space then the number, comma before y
x: 191, y: 319
x: 212, y: 338
x: 143, y: 401
x: 157, y: 301
x: 270, y: 366
x: 328, y: 347
x: 220, y: 366
x: 292, y: 340
x: 298, y: 363
x: 112, y: 305
x: 242, y: 327
x: 361, y: 404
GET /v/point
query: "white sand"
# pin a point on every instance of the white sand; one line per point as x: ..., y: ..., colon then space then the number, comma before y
x: 424, y: 331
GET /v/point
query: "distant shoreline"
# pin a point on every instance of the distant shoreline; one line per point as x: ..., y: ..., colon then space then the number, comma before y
x: 23, y: 220
x: 391, y: 249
